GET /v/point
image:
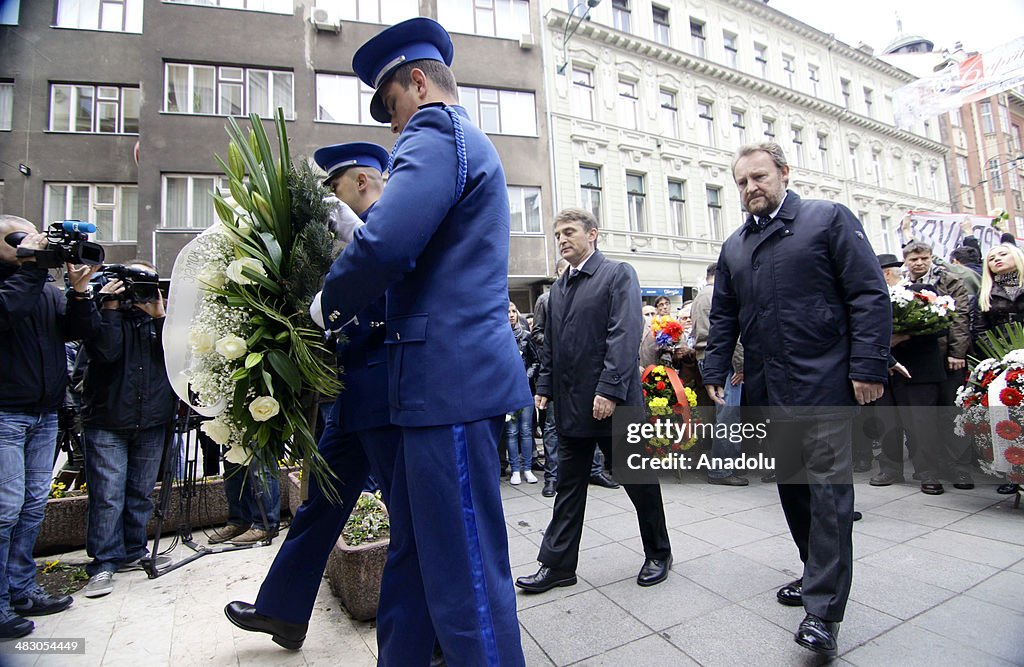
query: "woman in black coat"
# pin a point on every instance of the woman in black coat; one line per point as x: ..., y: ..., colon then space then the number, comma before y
x: 1000, y: 300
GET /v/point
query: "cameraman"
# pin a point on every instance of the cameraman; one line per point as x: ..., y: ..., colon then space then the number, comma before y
x: 36, y: 318
x: 127, y: 407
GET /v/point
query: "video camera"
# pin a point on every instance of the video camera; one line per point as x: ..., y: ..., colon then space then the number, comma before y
x: 139, y: 286
x: 68, y: 241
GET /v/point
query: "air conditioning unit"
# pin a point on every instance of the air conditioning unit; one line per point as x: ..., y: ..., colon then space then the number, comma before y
x: 526, y: 41
x: 323, y: 19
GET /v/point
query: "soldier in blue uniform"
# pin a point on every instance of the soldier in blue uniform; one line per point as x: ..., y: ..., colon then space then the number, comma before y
x: 358, y: 437
x: 437, y: 242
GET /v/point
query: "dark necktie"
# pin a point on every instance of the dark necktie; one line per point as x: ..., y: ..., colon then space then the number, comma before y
x: 573, y: 273
x: 761, y: 223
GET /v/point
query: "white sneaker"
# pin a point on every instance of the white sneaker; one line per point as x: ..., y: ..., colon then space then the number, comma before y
x: 530, y: 477
x: 514, y: 480
x: 101, y: 583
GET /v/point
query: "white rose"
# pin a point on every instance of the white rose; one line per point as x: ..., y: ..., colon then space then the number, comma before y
x: 234, y: 270
x: 263, y: 408
x: 238, y: 454
x: 200, y: 341
x: 218, y: 431
x: 231, y: 346
x: 212, y: 278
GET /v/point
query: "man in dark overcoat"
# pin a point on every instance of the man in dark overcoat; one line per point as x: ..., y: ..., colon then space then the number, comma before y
x: 800, y: 283
x: 589, y: 366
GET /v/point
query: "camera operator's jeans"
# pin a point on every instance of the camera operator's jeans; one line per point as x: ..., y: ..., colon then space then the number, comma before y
x: 27, y: 445
x: 243, y: 499
x: 121, y: 468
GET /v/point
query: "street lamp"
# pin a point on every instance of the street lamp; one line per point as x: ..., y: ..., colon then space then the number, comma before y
x: 567, y: 33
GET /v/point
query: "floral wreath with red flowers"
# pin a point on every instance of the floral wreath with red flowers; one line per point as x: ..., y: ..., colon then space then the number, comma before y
x: 666, y: 398
x: 998, y: 442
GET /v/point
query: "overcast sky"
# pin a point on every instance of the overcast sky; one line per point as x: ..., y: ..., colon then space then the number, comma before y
x: 980, y: 25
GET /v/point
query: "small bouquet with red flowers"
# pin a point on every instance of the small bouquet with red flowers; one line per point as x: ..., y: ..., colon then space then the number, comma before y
x: 667, y: 332
x: 920, y: 312
x: 666, y: 399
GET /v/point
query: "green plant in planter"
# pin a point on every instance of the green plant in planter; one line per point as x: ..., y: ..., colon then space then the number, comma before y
x: 368, y: 522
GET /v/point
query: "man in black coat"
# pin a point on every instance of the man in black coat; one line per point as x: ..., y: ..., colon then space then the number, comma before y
x: 589, y: 366
x: 800, y: 283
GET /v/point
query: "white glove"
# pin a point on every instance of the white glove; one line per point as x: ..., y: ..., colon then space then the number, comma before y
x: 341, y: 219
x: 316, y: 311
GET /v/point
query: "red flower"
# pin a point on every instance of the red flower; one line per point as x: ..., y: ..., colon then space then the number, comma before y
x: 1011, y: 396
x: 1014, y: 455
x: 1014, y: 375
x: 645, y: 394
x: 1008, y: 429
x: 673, y: 329
x: 984, y: 400
x: 660, y: 386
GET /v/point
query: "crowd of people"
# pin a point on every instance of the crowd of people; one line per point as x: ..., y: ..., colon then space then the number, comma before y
x: 416, y: 295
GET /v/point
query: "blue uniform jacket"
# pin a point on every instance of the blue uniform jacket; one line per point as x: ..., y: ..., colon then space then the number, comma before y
x: 363, y: 403
x: 809, y: 300
x: 443, y: 259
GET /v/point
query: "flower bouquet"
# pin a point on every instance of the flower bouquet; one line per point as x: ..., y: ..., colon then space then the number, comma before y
x: 920, y: 313
x: 993, y: 405
x: 667, y: 399
x: 239, y: 343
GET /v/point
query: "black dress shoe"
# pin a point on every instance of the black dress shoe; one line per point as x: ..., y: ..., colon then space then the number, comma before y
x: 549, y: 489
x: 769, y: 478
x: 654, y: 571
x: 603, y: 479
x: 963, y: 481
x: 857, y: 516
x: 932, y: 487
x: 731, y: 480
x: 818, y: 635
x: 1007, y: 489
x: 288, y: 635
x: 792, y: 594
x: 545, y: 579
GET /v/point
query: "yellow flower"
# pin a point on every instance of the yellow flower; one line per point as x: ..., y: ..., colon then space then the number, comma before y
x: 691, y: 396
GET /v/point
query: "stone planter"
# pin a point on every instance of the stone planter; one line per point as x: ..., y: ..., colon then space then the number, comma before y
x: 355, y: 573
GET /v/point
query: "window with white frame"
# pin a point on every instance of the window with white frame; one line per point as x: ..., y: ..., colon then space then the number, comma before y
x: 854, y: 165
x: 590, y: 190
x: 6, y: 105
x: 662, y: 33
x: 509, y: 19
x: 705, y: 114
x: 500, y: 111
x: 788, y: 70
x: 915, y: 177
x: 106, y: 15
x: 94, y: 109
x: 524, y: 205
x: 768, y: 128
x: 869, y: 102
x: 677, y: 207
x: 732, y: 52
x: 962, y: 172
x: 761, y: 58
x: 635, y: 201
x: 886, y: 226
x: 813, y: 77
x: 187, y: 200
x: 269, y: 6
x: 627, y: 104
x: 955, y: 119
x: 697, y: 38
x: 739, y: 127
x: 716, y: 221
x: 876, y: 167
x: 995, y: 176
x: 669, y: 114
x: 343, y: 99
x: 621, y: 15
x: 823, y: 152
x: 113, y: 208
x: 227, y: 90
x: 797, y: 137
x: 844, y: 90
x: 1015, y: 140
x: 386, y: 12
x: 933, y: 182
x: 987, y: 123
x: 583, y: 93
x: 1004, y: 115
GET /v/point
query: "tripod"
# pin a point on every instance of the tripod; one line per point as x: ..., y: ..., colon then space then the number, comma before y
x: 185, y: 429
x: 69, y: 441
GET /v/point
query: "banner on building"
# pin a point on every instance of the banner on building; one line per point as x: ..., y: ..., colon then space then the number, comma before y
x: 945, y: 231
x: 977, y: 77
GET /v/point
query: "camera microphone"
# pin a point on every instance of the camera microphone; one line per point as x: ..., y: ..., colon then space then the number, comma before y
x: 78, y: 226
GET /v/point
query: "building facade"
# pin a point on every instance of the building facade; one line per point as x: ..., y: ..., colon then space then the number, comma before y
x: 113, y: 110
x: 649, y: 100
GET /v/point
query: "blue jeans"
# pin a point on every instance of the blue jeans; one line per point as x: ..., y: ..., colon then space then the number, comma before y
x: 519, y: 439
x: 723, y: 448
x: 550, y: 433
x: 27, y: 444
x: 121, y: 468
x: 240, y: 485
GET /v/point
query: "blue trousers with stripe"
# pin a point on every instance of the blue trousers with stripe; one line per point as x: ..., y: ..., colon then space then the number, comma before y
x: 448, y: 567
x: 290, y: 587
